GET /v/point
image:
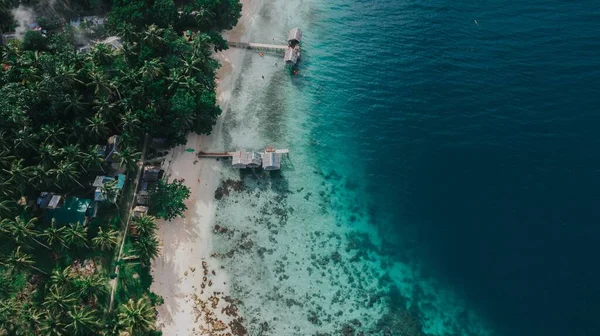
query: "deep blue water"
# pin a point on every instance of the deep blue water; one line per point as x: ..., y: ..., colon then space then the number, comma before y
x: 475, y: 124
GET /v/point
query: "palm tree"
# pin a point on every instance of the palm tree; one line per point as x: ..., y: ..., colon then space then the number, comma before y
x: 76, y: 234
x: 101, y: 54
x: 151, y: 69
x: 72, y: 152
x: 66, y: 172
x: 110, y: 192
x: 175, y: 77
x: 99, y: 81
x: 145, y: 225
x: 19, y: 173
x: 40, y: 176
x: 153, y: 36
x: 201, y: 46
x: 67, y: 74
x: 55, y: 235
x: 19, y: 261
x: 92, y: 159
x: 137, y: 316
x: 48, y: 152
x: 91, y: 286
x: 21, y: 231
x: 190, y: 65
x: 105, y: 108
x: 73, y: 104
x: 53, y: 133
x: 8, y: 310
x: 7, y: 207
x: 6, y: 156
x: 34, y: 316
x: 147, y: 248
x: 105, y: 240
x: 191, y: 84
x: 52, y: 325
x: 57, y: 300
x: 97, y: 125
x: 130, y: 122
x: 128, y: 158
x: 82, y: 321
x: 62, y: 278
x: 130, y: 77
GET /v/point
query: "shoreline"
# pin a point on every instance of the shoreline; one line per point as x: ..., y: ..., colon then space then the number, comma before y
x: 192, y: 283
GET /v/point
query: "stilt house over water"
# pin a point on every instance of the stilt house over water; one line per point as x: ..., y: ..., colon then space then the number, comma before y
x: 239, y: 159
x: 294, y: 37
x: 292, y: 53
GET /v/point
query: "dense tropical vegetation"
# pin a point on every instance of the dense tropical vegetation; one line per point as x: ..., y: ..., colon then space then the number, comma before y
x: 57, y: 109
x: 167, y: 200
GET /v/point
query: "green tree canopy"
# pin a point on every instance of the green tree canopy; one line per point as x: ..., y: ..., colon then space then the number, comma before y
x: 167, y: 200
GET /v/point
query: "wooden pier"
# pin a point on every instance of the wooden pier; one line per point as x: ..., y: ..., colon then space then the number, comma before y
x: 291, y: 51
x: 259, y: 46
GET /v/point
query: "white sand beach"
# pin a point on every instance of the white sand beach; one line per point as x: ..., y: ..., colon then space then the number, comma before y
x: 191, y: 282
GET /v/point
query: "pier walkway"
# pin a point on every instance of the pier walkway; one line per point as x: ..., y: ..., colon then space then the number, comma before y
x: 291, y: 51
x: 258, y: 46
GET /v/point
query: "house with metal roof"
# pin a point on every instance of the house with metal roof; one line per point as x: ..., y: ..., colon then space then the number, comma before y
x: 291, y: 55
x: 294, y: 37
x: 254, y: 160
x: 239, y: 159
x: 271, y: 161
x: 49, y: 200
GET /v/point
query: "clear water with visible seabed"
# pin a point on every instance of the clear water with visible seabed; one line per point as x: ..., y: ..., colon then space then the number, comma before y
x: 444, y: 171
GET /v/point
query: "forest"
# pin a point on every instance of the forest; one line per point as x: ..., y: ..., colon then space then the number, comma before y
x: 59, y: 105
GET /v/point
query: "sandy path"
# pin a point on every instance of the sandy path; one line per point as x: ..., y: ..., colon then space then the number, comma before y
x: 192, y: 282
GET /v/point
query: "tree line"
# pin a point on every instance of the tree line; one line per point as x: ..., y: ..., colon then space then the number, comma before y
x: 57, y: 109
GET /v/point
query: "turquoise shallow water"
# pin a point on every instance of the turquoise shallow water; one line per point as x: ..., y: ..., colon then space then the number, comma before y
x: 443, y: 173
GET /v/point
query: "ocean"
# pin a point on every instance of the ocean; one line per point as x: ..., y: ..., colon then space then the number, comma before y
x: 443, y: 174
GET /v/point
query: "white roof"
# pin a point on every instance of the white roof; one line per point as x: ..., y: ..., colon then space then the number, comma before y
x: 54, y: 201
x: 99, y: 181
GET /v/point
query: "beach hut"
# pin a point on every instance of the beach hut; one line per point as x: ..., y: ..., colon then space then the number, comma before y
x: 239, y: 159
x: 291, y: 55
x: 294, y: 37
x: 254, y: 160
x: 271, y: 161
